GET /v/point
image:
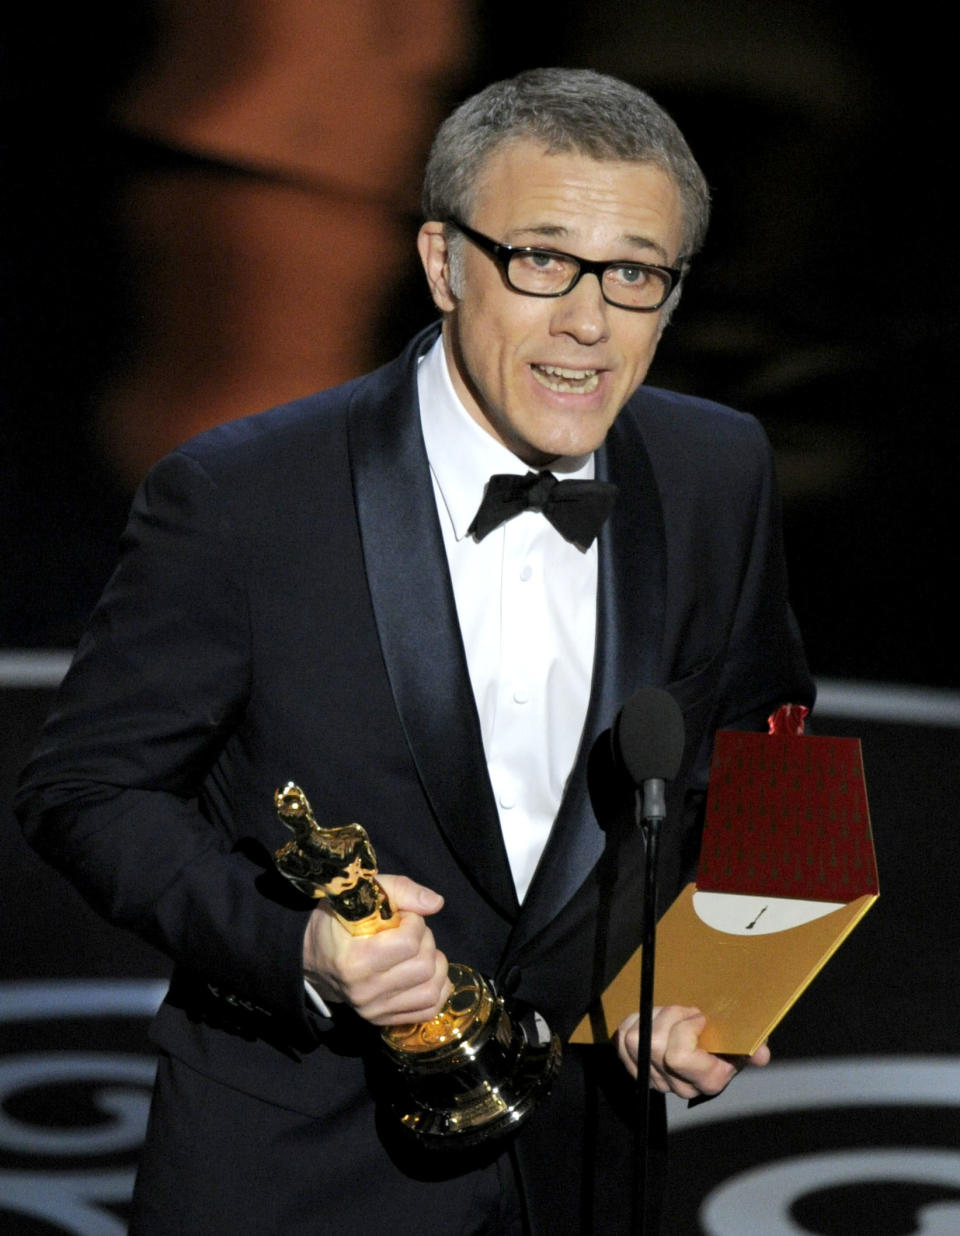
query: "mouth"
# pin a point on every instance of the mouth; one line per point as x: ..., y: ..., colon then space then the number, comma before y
x: 566, y: 381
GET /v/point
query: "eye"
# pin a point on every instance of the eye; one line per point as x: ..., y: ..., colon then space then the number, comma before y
x: 632, y: 276
x: 541, y: 272
x: 542, y: 259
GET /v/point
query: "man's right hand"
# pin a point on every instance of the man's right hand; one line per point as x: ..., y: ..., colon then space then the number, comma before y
x: 391, y: 978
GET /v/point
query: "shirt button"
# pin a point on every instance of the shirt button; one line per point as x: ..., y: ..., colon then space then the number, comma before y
x: 507, y: 798
x: 526, y: 571
x: 521, y: 695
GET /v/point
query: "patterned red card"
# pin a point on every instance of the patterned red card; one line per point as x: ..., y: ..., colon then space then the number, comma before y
x: 787, y: 816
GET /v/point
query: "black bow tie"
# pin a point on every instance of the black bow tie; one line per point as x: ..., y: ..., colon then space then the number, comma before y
x: 577, y: 509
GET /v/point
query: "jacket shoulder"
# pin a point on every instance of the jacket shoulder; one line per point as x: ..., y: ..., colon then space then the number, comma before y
x: 661, y: 411
x: 697, y: 436
x: 305, y: 432
x: 304, y: 429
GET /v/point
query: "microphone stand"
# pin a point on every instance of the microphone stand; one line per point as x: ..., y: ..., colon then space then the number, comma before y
x: 650, y: 813
x: 648, y: 742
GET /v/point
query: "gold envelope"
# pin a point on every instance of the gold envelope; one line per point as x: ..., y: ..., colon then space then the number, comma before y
x: 787, y: 830
x: 742, y: 984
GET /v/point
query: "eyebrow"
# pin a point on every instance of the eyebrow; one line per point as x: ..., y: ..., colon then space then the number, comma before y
x: 556, y: 231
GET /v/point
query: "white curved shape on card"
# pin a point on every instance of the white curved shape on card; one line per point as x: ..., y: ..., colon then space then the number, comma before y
x: 736, y: 914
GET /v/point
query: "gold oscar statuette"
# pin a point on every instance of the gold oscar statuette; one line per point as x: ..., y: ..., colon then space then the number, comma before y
x: 477, y: 1069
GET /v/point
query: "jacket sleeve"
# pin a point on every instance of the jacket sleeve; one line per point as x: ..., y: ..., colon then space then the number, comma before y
x: 117, y: 796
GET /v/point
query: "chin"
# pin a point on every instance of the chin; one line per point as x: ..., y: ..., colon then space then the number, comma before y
x: 567, y: 446
x: 546, y: 438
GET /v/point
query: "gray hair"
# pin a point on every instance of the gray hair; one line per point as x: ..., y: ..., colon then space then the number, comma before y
x: 566, y: 110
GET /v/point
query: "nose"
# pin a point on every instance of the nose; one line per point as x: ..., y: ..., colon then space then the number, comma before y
x: 582, y: 312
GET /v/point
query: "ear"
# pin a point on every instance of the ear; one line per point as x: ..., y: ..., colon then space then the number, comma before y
x: 432, y: 247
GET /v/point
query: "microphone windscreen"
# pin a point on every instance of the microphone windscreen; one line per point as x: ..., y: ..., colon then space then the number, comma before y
x: 648, y: 735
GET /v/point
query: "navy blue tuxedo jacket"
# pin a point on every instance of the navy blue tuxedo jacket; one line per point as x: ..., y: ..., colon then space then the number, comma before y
x: 282, y: 610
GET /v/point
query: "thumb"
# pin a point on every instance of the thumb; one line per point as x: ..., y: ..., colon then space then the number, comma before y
x: 407, y: 894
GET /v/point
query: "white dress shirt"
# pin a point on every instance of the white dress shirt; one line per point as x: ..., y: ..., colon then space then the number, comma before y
x: 526, y: 601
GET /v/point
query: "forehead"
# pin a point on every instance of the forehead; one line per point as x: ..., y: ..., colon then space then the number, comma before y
x: 526, y: 196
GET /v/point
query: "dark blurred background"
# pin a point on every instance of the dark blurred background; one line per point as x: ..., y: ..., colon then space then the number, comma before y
x: 203, y: 200
x: 210, y: 208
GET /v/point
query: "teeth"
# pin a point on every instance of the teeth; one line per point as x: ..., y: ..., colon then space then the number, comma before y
x: 577, y: 374
x: 582, y: 381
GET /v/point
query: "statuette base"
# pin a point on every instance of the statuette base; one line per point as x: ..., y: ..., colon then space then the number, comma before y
x: 476, y: 1071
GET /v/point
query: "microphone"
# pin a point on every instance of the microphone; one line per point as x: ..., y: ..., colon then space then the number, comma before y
x: 648, y: 738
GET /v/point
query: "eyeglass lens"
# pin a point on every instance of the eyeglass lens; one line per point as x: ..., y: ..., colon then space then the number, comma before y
x: 541, y: 273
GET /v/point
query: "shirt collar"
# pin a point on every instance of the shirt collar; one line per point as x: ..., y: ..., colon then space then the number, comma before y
x: 462, y: 455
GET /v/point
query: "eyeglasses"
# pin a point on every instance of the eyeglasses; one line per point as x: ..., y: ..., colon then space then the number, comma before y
x: 547, y: 272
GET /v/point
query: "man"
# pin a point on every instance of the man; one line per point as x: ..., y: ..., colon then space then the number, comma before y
x: 313, y: 595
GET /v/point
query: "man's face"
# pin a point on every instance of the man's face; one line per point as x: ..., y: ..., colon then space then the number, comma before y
x: 505, y: 349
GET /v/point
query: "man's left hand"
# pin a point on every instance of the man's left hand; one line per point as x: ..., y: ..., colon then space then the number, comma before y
x: 678, y: 1065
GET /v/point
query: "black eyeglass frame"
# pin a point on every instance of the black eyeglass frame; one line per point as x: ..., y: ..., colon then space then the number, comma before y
x: 502, y: 254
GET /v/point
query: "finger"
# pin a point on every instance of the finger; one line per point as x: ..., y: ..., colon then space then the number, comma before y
x: 341, y: 965
x: 417, y: 1003
x: 760, y: 1058
x: 683, y: 1040
x: 667, y: 1016
x: 628, y: 1041
x: 663, y: 1022
x: 407, y: 894
x: 676, y: 1028
x: 405, y: 994
x: 698, y: 1071
x: 668, y: 1084
x: 683, y: 1066
x: 401, y: 957
x: 382, y: 983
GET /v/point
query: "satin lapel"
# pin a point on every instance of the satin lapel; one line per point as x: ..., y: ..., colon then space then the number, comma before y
x: 630, y: 616
x: 416, y: 619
